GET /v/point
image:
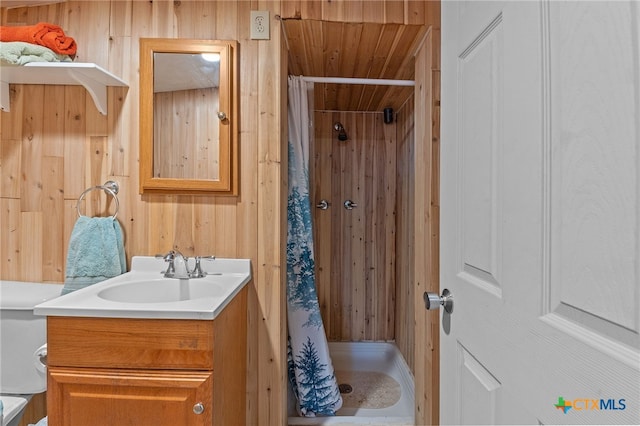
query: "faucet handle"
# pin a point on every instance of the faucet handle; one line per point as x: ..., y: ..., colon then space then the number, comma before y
x: 206, y: 257
x: 197, y: 269
x: 169, y: 258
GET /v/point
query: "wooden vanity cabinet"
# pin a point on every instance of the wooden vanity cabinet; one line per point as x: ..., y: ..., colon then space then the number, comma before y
x: 121, y: 371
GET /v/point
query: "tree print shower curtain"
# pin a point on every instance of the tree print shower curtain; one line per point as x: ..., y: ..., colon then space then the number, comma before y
x: 310, y: 369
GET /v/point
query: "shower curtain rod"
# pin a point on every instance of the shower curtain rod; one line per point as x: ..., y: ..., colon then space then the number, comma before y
x: 373, y: 81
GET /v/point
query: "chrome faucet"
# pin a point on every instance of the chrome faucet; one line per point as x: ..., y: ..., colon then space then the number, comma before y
x: 179, y: 265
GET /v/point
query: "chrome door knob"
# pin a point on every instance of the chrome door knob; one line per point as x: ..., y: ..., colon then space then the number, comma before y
x: 433, y: 301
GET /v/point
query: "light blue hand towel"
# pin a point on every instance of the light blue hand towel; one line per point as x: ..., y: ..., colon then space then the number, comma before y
x: 96, y: 252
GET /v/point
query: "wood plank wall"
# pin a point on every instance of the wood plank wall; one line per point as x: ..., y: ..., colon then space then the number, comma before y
x: 426, y: 228
x: 364, y: 257
x: 405, y: 234
x: 54, y: 144
x: 405, y: 227
x: 355, y: 249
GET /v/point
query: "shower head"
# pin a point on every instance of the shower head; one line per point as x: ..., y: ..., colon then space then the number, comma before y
x: 342, y: 135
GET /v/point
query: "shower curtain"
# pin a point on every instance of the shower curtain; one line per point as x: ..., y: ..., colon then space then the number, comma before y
x: 310, y: 369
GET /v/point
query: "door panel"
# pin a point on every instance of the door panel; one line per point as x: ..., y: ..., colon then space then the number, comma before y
x: 479, y: 390
x: 478, y: 251
x: 481, y: 144
x: 540, y: 184
x: 594, y: 207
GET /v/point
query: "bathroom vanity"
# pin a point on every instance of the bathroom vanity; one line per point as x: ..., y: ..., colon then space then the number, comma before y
x: 149, y: 363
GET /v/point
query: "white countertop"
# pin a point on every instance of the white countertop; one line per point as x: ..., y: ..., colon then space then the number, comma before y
x: 227, y: 276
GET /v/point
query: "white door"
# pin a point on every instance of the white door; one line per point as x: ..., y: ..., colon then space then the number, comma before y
x: 540, y: 213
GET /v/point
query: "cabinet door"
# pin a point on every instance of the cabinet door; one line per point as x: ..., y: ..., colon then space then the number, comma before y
x: 128, y: 397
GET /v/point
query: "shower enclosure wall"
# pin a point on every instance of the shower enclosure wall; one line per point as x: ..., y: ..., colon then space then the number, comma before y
x: 363, y: 254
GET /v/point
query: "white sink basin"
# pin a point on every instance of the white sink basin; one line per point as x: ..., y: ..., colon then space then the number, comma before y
x: 145, y: 293
x: 163, y: 290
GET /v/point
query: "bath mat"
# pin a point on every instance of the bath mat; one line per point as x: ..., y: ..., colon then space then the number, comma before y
x: 370, y: 389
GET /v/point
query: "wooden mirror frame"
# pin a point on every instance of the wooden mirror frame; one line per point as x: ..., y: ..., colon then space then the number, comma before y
x: 227, y: 184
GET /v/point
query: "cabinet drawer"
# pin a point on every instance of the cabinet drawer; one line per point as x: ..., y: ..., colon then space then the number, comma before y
x: 101, y: 397
x: 130, y: 343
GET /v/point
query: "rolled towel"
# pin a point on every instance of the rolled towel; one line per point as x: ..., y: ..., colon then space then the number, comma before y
x: 20, y: 53
x: 44, y: 34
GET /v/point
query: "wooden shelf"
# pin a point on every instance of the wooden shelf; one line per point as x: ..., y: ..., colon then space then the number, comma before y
x: 94, y: 78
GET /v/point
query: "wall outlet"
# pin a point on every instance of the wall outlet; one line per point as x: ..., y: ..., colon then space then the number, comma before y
x: 260, y: 25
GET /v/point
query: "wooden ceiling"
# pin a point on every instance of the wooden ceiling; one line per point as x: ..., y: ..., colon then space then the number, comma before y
x: 355, y: 50
x: 23, y: 3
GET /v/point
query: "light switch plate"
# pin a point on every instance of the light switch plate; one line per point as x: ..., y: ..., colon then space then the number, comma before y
x: 260, y: 25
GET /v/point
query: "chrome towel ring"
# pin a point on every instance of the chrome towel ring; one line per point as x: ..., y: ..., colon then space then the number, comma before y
x: 110, y: 188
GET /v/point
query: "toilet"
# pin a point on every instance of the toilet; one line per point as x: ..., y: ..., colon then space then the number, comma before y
x: 23, y: 339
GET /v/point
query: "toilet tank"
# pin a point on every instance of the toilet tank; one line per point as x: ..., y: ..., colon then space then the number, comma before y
x: 21, y: 335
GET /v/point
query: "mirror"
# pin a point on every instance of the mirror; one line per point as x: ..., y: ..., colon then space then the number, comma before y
x: 188, y: 116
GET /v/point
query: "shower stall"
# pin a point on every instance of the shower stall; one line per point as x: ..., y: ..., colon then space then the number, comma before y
x: 360, y: 185
x: 374, y: 204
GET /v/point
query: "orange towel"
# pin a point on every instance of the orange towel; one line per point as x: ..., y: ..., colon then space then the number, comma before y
x: 48, y: 35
